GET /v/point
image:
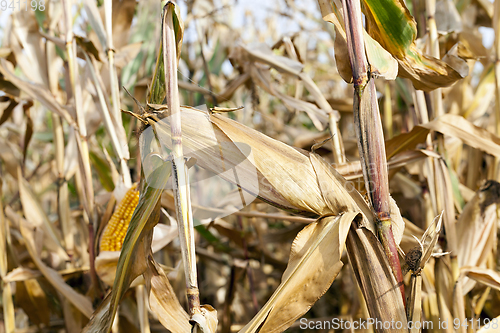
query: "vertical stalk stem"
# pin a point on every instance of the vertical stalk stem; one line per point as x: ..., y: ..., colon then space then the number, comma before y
x: 122, y: 149
x: 370, y: 135
x: 81, y: 133
x: 63, y: 210
x: 7, y: 300
x: 182, y: 197
x: 337, y: 145
x: 388, y: 110
x: 436, y: 99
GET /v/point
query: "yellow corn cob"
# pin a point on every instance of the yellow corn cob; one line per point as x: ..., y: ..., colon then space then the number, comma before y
x: 114, y: 233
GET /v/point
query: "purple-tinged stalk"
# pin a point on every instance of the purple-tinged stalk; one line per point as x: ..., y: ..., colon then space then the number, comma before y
x: 370, y: 135
x: 181, y: 189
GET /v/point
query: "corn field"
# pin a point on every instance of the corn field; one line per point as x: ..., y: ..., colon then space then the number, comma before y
x: 250, y: 166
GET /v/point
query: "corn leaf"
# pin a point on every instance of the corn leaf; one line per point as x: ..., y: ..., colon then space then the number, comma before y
x: 390, y: 23
x: 158, y: 88
x: 163, y: 301
x: 375, y: 277
x: 137, y: 244
x: 313, y: 265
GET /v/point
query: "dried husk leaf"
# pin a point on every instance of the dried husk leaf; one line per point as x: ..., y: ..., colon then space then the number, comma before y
x: 375, y: 278
x: 164, y: 302
x: 204, y: 136
x: 313, y: 265
x: 293, y: 180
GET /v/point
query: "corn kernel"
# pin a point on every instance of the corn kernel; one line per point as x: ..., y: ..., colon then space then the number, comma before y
x: 114, y: 233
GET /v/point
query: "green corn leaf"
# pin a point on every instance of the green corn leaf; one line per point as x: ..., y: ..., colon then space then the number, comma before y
x: 158, y: 89
x: 390, y: 23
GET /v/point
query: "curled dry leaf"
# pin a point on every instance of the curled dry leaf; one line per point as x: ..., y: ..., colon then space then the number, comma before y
x: 460, y: 128
x: 206, y: 321
x: 313, y: 265
x: 375, y: 278
x: 293, y: 180
x: 163, y: 301
x: 391, y: 24
x: 485, y: 276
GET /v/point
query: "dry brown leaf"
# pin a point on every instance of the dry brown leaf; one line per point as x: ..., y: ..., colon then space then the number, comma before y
x: 35, y: 214
x: 485, y: 276
x: 405, y: 141
x: 469, y: 133
x: 9, y: 159
x: 163, y: 301
x: 476, y: 228
x: 375, y: 278
x: 313, y: 265
x: 106, y: 261
x: 29, y: 231
x: 206, y: 321
x: 35, y: 91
